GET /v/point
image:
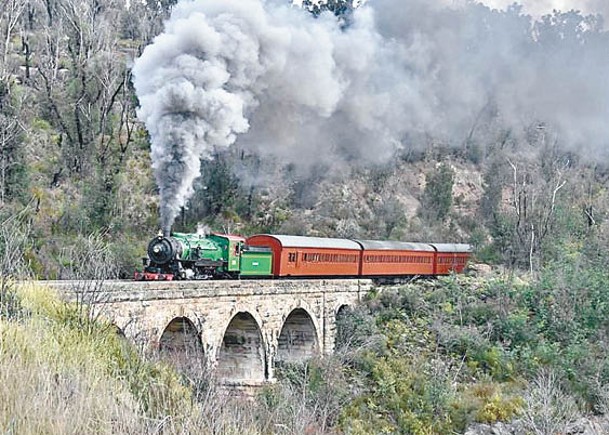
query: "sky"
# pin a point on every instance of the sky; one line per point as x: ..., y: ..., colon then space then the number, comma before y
x: 542, y: 7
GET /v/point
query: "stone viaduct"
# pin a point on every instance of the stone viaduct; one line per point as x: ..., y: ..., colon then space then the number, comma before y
x: 239, y: 329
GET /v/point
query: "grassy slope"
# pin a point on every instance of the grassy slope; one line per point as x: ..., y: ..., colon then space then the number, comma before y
x: 60, y: 374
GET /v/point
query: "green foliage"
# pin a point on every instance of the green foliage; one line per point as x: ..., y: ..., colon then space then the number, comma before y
x: 407, y: 396
x: 460, y: 350
x: 354, y: 327
x: 438, y: 197
x: 219, y: 199
x: 493, y: 190
x: 493, y: 403
x: 337, y: 7
x: 14, y: 173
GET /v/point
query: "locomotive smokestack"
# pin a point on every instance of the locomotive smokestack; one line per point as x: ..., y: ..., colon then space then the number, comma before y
x: 167, y: 232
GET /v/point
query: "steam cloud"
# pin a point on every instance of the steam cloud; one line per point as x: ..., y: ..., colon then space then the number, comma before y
x: 278, y: 81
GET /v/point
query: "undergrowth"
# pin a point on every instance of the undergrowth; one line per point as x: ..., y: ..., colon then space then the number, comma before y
x: 57, y: 377
x: 430, y: 357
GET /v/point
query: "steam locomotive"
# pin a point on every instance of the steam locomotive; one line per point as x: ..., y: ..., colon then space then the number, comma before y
x: 182, y: 256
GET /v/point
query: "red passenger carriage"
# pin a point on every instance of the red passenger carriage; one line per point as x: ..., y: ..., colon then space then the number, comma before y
x: 450, y: 257
x: 381, y: 258
x: 310, y: 256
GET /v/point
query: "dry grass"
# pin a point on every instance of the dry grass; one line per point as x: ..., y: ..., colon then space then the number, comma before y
x: 59, y: 378
x: 44, y: 389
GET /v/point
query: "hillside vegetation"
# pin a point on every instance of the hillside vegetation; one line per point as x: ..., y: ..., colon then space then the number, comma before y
x: 75, y: 161
x: 430, y: 357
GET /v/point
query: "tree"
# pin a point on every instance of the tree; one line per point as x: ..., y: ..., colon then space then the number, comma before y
x: 438, y: 194
x: 217, y: 195
x: 82, y: 80
x: 531, y: 191
x: 10, y: 15
x: 535, y: 189
x: 340, y: 8
x: 12, y: 166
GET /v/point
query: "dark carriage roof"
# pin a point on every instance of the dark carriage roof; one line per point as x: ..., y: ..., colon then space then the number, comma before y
x: 314, y: 242
x: 452, y: 247
x: 379, y: 245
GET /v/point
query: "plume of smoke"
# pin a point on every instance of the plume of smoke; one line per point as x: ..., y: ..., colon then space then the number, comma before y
x: 201, y: 78
x: 281, y: 82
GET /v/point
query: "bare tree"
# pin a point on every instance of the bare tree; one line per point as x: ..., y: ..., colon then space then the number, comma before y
x: 10, y: 15
x: 84, y: 80
x: 88, y: 264
x: 548, y: 409
x: 533, y: 200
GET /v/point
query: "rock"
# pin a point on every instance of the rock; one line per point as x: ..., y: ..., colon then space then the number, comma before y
x: 514, y: 428
x: 583, y: 426
x: 577, y: 427
x: 479, y: 429
x: 501, y: 429
x: 481, y: 269
x: 597, y: 426
x: 588, y: 426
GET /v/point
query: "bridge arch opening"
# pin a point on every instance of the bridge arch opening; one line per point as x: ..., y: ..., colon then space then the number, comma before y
x: 344, y: 329
x: 181, y: 344
x: 298, y: 338
x: 242, y: 355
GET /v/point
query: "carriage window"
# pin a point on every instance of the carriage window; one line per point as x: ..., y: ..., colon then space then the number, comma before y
x: 292, y: 257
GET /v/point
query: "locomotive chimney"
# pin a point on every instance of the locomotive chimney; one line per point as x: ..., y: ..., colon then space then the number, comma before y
x: 167, y: 232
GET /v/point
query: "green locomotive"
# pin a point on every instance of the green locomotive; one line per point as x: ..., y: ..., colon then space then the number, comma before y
x: 194, y: 256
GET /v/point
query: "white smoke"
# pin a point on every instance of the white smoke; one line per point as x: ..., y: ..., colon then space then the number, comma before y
x: 279, y: 81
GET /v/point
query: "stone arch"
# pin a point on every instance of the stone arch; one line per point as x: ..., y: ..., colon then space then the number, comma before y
x: 341, y: 322
x: 298, y: 339
x: 242, y: 355
x: 180, y: 343
x: 301, y: 304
